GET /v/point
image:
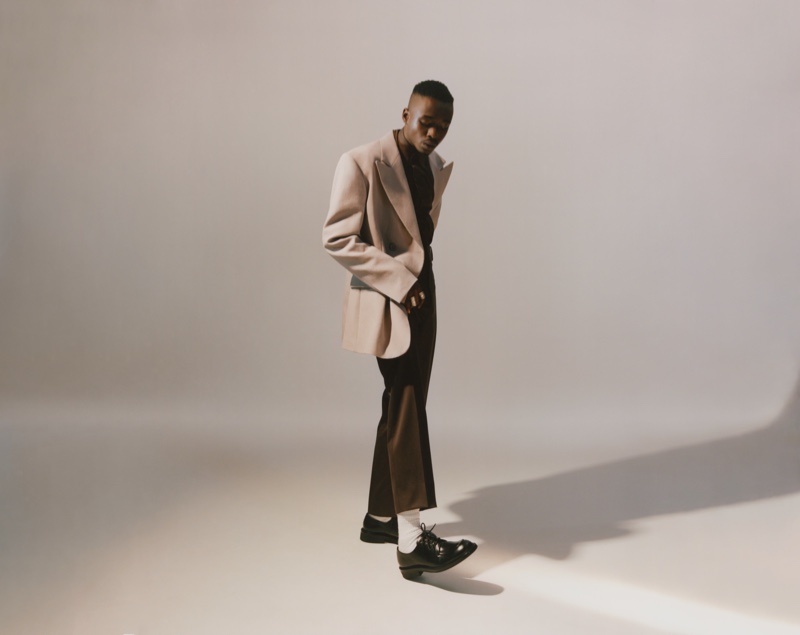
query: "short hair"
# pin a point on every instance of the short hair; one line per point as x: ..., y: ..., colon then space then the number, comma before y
x: 433, y: 89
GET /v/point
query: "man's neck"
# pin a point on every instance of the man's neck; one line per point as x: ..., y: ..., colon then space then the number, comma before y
x: 408, y: 151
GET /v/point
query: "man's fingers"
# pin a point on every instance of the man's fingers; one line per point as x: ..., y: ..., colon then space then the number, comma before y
x: 415, y: 300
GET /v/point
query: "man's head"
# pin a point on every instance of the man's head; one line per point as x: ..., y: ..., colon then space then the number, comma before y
x: 428, y: 115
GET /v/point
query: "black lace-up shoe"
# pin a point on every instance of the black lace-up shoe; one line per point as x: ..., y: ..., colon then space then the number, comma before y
x: 433, y: 554
x: 376, y: 531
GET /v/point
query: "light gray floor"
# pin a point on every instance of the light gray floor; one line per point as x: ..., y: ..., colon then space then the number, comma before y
x: 206, y: 527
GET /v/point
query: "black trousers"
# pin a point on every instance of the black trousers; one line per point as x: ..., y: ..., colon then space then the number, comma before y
x: 402, y: 472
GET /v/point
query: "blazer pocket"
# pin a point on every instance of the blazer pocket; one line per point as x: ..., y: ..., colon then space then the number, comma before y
x: 356, y: 283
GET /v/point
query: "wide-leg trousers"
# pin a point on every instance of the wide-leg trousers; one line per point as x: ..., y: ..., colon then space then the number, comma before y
x: 402, y: 472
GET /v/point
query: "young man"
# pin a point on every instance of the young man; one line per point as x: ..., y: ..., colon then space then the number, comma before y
x: 385, y: 205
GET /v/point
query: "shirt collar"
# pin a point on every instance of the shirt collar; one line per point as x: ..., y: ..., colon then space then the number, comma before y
x: 414, y: 157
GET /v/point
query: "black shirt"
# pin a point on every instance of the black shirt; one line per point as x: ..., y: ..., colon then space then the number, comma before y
x: 420, y: 181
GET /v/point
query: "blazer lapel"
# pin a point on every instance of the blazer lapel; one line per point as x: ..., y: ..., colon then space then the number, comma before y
x: 441, y: 175
x: 395, y: 184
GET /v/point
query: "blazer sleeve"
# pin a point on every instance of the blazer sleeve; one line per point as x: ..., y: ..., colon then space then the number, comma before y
x: 343, y: 240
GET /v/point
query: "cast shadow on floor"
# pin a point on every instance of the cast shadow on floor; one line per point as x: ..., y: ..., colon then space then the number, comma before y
x: 550, y: 516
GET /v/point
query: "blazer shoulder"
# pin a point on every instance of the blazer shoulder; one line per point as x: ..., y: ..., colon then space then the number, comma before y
x: 365, y: 155
x: 437, y: 160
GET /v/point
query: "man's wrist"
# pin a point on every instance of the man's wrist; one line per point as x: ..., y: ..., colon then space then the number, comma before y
x: 410, y: 292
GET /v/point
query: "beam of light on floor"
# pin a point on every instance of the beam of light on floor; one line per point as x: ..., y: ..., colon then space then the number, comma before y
x: 659, y: 611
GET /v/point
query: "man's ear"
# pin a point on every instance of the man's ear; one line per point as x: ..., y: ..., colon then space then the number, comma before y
x: 405, y: 115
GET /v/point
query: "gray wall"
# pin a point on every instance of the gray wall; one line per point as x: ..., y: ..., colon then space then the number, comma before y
x: 618, y: 256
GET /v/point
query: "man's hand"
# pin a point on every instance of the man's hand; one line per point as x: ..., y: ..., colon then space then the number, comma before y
x: 414, y: 299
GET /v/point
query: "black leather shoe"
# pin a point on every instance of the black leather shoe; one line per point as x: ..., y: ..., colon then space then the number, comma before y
x: 433, y: 554
x: 376, y: 531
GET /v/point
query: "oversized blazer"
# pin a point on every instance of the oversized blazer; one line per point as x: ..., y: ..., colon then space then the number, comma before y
x: 371, y: 230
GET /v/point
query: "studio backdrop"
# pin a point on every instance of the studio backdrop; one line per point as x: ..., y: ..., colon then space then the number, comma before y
x: 618, y: 255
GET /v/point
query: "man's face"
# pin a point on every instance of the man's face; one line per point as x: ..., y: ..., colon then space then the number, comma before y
x: 426, y: 122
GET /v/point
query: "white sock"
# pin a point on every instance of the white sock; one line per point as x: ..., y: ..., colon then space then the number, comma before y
x: 408, y: 530
x: 383, y: 519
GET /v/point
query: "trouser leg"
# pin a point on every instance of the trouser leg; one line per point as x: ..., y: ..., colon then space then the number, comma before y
x: 402, y: 472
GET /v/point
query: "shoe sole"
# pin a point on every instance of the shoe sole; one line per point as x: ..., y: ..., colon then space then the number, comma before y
x: 377, y: 538
x: 414, y: 571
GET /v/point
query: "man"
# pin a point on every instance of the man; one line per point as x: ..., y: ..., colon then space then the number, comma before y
x: 385, y: 205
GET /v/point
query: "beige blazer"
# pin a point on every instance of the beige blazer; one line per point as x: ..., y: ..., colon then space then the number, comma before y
x: 371, y: 230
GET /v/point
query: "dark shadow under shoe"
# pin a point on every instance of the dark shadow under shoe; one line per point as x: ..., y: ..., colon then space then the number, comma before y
x: 433, y: 554
x: 375, y: 531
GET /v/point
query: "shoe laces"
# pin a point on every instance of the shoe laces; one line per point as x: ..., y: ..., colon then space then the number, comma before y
x: 428, y: 538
